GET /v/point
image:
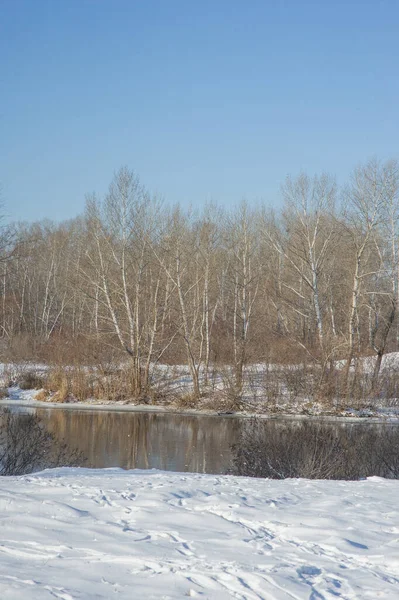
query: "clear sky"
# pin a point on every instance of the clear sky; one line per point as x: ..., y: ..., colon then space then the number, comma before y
x: 205, y: 100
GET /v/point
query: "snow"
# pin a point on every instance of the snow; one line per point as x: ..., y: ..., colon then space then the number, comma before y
x: 99, y: 534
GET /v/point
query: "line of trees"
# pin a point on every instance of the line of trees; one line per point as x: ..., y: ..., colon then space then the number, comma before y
x: 314, y: 282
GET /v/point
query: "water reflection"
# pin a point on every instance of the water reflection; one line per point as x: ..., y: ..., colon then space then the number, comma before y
x: 204, y: 444
x: 146, y: 440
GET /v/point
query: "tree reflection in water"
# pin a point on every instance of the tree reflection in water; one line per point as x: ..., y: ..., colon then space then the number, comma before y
x: 147, y: 440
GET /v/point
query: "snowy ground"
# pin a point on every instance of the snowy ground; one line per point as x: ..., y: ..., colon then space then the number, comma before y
x: 79, y: 534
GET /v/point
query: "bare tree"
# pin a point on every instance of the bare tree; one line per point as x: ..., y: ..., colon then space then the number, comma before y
x: 242, y: 239
x: 178, y: 254
x: 365, y: 201
x: 117, y: 269
x: 383, y: 288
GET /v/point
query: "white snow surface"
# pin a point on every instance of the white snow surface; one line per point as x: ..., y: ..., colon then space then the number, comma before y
x: 101, y: 534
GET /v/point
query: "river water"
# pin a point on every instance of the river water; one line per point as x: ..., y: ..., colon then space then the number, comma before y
x: 167, y: 441
x: 132, y: 440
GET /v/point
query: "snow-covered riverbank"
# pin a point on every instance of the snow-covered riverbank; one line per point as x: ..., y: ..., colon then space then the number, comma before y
x: 25, y: 399
x: 175, y: 383
x: 84, y: 534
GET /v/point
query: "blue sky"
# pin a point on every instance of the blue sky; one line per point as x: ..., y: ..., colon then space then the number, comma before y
x: 205, y: 100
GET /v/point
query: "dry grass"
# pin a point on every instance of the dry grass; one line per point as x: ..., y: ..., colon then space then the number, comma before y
x: 41, y: 396
x: 222, y: 401
x: 101, y: 383
x: 57, y: 384
x: 185, y: 401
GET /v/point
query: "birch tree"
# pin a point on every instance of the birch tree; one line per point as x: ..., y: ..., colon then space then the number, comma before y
x: 383, y: 288
x: 365, y: 201
x: 117, y: 263
x: 243, y: 245
x: 178, y: 254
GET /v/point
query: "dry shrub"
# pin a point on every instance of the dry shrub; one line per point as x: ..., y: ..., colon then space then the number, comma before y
x: 57, y: 383
x: 104, y: 382
x: 115, y: 383
x: 61, y: 395
x: 26, y: 446
x: 298, y: 380
x: 81, y: 384
x: 8, y: 375
x: 229, y: 397
x: 186, y: 401
x: 30, y: 381
x: 265, y: 384
x: 69, y: 383
x: 315, y: 451
x: 20, y: 374
x: 41, y: 396
x: 223, y: 402
x: 387, y: 389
